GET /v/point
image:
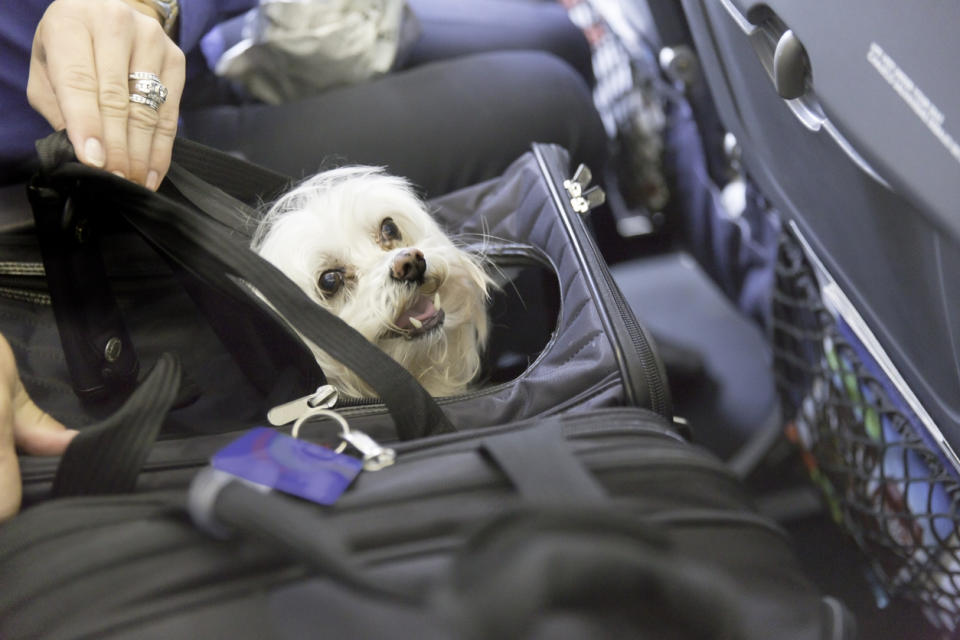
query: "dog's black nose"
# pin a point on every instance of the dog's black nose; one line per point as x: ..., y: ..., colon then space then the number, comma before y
x: 408, y: 265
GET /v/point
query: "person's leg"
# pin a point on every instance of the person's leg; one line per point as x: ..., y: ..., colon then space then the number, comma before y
x: 443, y: 125
x: 451, y: 28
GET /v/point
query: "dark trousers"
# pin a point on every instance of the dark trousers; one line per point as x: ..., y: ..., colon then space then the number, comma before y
x: 485, y: 79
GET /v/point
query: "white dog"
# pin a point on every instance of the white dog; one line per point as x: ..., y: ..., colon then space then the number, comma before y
x: 360, y: 243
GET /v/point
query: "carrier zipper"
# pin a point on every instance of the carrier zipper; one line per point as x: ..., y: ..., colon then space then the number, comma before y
x: 11, y: 270
x: 582, y: 197
x: 363, y: 407
x: 32, y: 269
x: 617, y: 421
x: 609, y: 298
x: 25, y: 295
x: 574, y: 429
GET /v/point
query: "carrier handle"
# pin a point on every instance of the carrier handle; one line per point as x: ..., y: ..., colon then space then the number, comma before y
x: 107, y: 457
x: 220, y: 505
x: 243, y: 180
x: 539, y: 463
x: 524, y: 563
x: 537, y: 460
x: 211, y: 251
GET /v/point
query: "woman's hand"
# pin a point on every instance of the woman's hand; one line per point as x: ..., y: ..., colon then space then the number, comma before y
x: 83, y: 53
x: 22, y: 424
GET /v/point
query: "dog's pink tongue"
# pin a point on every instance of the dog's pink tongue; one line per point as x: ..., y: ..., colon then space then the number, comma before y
x: 422, y: 309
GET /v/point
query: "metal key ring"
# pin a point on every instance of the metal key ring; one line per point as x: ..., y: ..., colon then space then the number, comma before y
x: 329, y: 413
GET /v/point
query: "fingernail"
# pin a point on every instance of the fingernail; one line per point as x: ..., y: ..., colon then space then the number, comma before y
x: 153, y: 180
x: 119, y: 174
x: 93, y: 152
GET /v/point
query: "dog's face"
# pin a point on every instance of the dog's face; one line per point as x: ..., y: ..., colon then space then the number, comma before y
x: 360, y: 243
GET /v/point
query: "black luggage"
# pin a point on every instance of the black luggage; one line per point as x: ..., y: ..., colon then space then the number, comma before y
x: 844, y: 115
x: 602, y: 523
x: 538, y: 511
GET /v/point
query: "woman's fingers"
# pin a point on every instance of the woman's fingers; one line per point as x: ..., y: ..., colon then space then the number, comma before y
x: 63, y: 47
x: 83, y: 55
x: 113, y: 42
x: 35, y: 431
x: 24, y: 424
x: 172, y: 75
x: 147, y: 58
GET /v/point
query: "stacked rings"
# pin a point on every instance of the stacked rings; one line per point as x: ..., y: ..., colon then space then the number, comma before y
x: 146, y: 89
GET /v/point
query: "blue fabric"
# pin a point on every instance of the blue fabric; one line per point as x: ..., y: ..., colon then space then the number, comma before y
x: 20, y: 125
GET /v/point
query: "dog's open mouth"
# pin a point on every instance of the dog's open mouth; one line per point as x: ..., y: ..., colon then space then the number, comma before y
x: 422, y: 317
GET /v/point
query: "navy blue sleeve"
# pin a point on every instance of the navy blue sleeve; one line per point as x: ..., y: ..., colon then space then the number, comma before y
x: 199, y: 16
x: 20, y: 125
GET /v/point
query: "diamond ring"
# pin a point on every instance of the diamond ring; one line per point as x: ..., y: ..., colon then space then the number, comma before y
x: 146, y: 89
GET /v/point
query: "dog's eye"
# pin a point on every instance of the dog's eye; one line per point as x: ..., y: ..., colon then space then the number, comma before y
x: 389, y: 232
x: 330, y: 281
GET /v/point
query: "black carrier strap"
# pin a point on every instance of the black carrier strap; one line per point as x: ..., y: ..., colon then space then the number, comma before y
x: 243, y: 180
x: 106, y: 457
x: 203, y: 246
x: 228, y: 211
x: 539, y: 463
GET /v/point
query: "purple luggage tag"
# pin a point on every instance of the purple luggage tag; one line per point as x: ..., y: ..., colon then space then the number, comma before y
x: 275, y: 460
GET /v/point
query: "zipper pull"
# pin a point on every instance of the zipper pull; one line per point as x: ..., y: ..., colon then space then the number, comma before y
x: 324, y: 397
x: 581, y: 178
x: 591, y: 199
x: 583, y: 199
x: 375, y: 457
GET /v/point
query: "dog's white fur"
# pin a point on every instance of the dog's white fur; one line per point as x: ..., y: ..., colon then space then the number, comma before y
x: 333, y: 222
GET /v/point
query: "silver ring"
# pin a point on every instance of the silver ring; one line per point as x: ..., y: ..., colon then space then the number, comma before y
x: 147, y: 86
x: 142, y: 100
x: 143, y: 75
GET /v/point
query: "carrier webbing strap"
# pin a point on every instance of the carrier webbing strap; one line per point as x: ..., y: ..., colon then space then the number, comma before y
x: 241, y: 179
x: 206, y: 248
x: 225, y: 209
x: 107, y: 457
x: 541, y: 465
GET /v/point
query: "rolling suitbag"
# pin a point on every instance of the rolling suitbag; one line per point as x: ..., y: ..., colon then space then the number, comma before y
x: 578, y: 521
x: 845, y: 119
x: 602, y: 523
